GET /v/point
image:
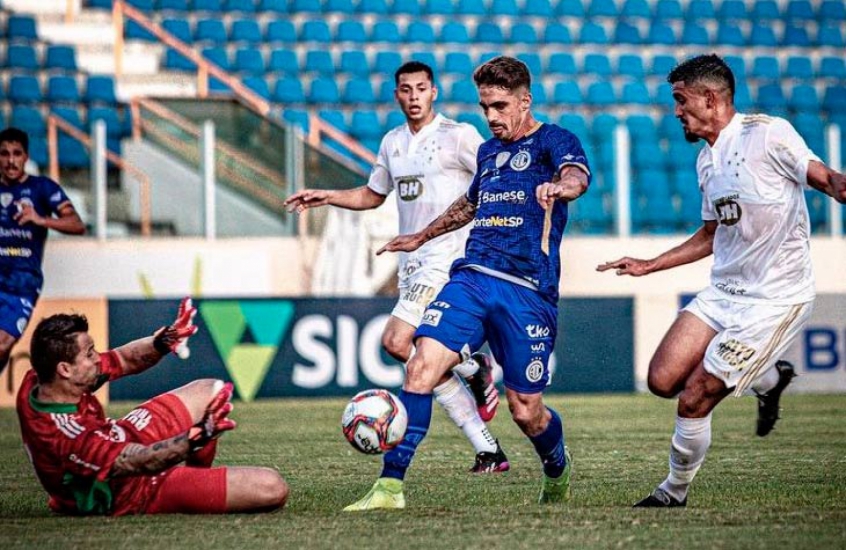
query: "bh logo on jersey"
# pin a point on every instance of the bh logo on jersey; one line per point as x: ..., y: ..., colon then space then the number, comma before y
x: 728, y: 210
x: 409, y: 187
x: 521, y: 161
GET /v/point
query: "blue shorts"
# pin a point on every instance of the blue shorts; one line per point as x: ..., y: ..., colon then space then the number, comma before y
x: 15, y: 311
x: 518, y: 324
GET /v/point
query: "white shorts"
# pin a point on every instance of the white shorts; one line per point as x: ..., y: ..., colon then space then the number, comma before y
x: 416, y: 291
x: 750, y: 337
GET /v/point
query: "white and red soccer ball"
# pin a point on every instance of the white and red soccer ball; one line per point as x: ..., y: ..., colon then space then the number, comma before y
x: 374, y: 421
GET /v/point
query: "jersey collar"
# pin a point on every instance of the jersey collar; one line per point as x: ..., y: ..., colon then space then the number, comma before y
x: 426, y: 129
x: 730, y: 130
x: 43, y: 406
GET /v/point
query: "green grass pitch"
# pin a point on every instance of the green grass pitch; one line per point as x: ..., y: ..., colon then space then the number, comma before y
x: 787, y: 490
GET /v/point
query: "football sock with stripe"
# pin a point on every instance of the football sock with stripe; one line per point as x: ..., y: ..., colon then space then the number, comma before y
x: 419, y: 409
x: 460, y: 406
x: 687, y: 453
x: 550, y: 446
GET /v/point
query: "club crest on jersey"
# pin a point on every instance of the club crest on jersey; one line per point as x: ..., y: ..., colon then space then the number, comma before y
x: 534, y: 372
x: 409, y: 187
x: 502, y: 158
x: 5, y: 199
x: 521, y: 161
x: 728, y: 210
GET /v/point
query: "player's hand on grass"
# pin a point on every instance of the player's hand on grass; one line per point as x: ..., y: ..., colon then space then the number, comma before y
x: 174, y: 337
x: 215, y: 421
x: 403, y: 243
x: 307, y: 198
x: 628, y: 266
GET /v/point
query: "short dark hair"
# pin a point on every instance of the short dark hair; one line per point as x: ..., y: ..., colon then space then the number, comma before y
x: 504, y: 72
x: 414, y: 67
x: 15, y: 134
x: 54, y: 341
x: 708, y: 68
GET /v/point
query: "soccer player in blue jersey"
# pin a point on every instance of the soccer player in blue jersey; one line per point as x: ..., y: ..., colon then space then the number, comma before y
x: 505, y: 289
x: 29, y: 206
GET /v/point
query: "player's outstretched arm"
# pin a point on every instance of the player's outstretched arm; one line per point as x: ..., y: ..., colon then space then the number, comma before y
x: 67, y: 220
x: 699, y: 245
x: 359, y: 198
x: 829, y: 181
x: 459, y: 214
x: 137, y: 459
x: 568, y: 185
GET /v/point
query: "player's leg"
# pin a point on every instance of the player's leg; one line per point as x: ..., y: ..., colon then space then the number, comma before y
x: 15, y: 312
x: 679, y: 352
x: 7, y: 341
x: 186, y: 490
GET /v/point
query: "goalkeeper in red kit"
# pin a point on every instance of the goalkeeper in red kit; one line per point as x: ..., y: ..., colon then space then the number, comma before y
x: 155, y: 460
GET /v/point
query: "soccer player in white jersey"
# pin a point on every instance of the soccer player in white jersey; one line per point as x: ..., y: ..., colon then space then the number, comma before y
x: 752, y: 174
x: 429, y: 161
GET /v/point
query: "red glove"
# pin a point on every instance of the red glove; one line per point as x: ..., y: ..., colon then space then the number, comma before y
x: 215, y: 421
x: 174, y: 338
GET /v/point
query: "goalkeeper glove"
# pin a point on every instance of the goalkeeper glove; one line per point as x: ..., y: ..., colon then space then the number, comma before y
x: 215, y: 421
x: 174, y: 338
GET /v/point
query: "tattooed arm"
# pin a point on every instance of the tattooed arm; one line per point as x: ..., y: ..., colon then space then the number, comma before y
x: 137, y: 459
x: 459, y: 214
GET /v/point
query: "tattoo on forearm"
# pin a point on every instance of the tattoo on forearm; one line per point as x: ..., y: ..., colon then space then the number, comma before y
x: 137, y: 459
x: 459, y: 214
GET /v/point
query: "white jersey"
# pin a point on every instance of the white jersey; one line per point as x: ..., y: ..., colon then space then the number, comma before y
x: 752, y: 181
x: 429, y: 170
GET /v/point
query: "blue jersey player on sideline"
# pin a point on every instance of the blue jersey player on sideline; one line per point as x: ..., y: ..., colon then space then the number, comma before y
x: 27, y: 208
x: 505, y: 290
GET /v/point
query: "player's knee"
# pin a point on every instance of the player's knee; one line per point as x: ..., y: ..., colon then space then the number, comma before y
x: 397, y: 347
x: 660, y: 385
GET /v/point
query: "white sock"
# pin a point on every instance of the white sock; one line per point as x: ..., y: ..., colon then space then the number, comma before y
x: 687, y: 453
x: 766, y: 381
x: 460, y: 406
x: 466, y: 369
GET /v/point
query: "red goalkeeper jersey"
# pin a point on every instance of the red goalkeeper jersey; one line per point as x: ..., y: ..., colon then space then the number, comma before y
x: 73, y: 448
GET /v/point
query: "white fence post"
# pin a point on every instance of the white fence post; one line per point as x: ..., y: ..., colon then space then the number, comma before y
x: 207, y: 145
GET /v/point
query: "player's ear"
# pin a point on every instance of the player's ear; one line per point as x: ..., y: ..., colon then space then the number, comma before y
x: 434, y: 92
x: 64, y: 369
x: 526, y: 101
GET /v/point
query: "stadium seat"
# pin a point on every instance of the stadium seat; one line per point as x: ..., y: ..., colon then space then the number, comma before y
x: 427, y: 58
x: 597, y: 64
x: 523, y: 33
x: 642, y: 128
x: 635, y: 93
x: 698, y: 10
x: 533, y: 62
x: 453, y: 33
x: 765, y: 10
x: 730, y: 34
x: 471, y: 7
x: 832, y: 67
x: 339, y: 6
x: 214, y: 6
x: 570, y: 8
x: 259, y: 85
x: 109, y: 115
x: 21, y: 28
x: 799, y: 10
x: 668, y: 9
x: 463, y: 91
x: 315, y: 31
x: 504, y: 7
x: 538, y: 8
x: 385, y: 31
x: 394, y: 119
x: 249, y: 61
x: 245, y: 30
x: 556, y: 33
x: 538, y: 96
x: 795, y: 34
x: 30, y: 120
x: 419, y: 32
x: 602, y: 8
x: 681, y: 155
x: 365, y: 124
x: 387, y: 62
x: 636, y: 9
x: 179, y: 28
x: 358, y: 90
x: 62, y: 89
x: 281, y: 31
x: 732, y: 10
x: 662, y: 64
x: 217, y: 56
x: 334, y: 117
x: 176, y: 61
x: 354, y: 62
x: 24, y: 88
x: 771, y: 97
x: 323, y: 90
x: 661, y: 32
x: 742, y: 96
x: 576, y: 124
x: 834, y: 100
x: 593, y: 33
x: 210, y: 31
x: 69, y: 115
x: 561, y: 63
x: 100, y: 89
x: 832, y: 11
x: 626, y: 33
x: 799, y: 68
x: 288, y: 89
x: 283, y: 61
x: 694, y: 33
x: 350, y: 31
x: 646, y: 155
x: 630, y: 65
x: 765, y: 68
x: 811, y: 128
x: 59, y: 57
x: 22, y: 56
x: 297, y: 117
x: 457, y: 63
x: 172, y: 5
x: 134, y: 31
x: 487, y: 32
x: 663, y: 95
x: 407, y: 7
x: 600, y: 94
x: 378, y: 7
x: 319, y: 62
x: 306, y: 6
x: 829, y: 35
x: 817, y: 210
x: 242, y: 6
x: 72, y: 153
x: 737, y: 65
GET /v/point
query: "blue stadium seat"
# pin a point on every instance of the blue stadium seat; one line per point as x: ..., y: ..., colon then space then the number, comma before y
x: 538, y: 8
x: 243, y: 6
x: 830, y: 35
x: 668, y: 9
x: 561, y: 63
x: 636, y: 9
x: 453, y: 32
x: 504, y: 7
x: 681, y: 155
x: 771, y: 97
x: 663, y: 95
x: 407, y: 7
x: 213, y: 6
x: 669, y: 126
x: 324, y: 90
x: 635, y: 93
x: 698, y: 10
x: 832, y: 67
x: 557, y: 33
x: 730, y: 34
x: 30, y: 120
x: 766, y: 68
x: 288, y: 89
x: 320, y: 62
x: 570, y: 8
x: 600, y: 94
x: 22, y: 28
x: 358, y: 90
x: 742, y: 96
x: 176, y: 61
x: 576, y: 124
x: 72, y: 153
x: 463, y: 91
x: 533, y: 62
x: 354, y: 62
x: 365, y: 125
x: 662, y: 64
x: 420, y: 32
x: 172, y: 5
x: 24, y: 88
x: 626, y: 33
x: 100, y: 89
x: 523, y: 33
x: 259, y: 85
x: 425, y: 57
x: 661, y: 32
x: 538, y: 96
x: 386, y: 91
x: 765, y: 10
x: 471, y: 7
x: 593, y: 33
x: 210, y: 30
x: 315, y: 31
x: 832, y: 11
x: 69, y: 115
x: 249, y: 61
x: 589, y: 214
x: 217, y: 56
x: 297, y: 117
x: 817, y: 210
x: 60, y: 57
x: 387, y: 62
x: 603, y: 126
x: 597, y: 64
x: 630, y: 65
x: 350, y: 31
x: 834, y: 100
x: 796, y: 35
x: 62, y: 89
x: 695, y: 33
x: 804, y: 99
x: 334, y: 117
x: 22, y: 56
x: 134, y: 31
x: 339, y: 6
x: 378, y: 7
x: 602, y: 8
x: 737, y: 65
x: 283, y: 61
x: 306, y: 6
x: 457, y: 63
x: 732, y: 10
x: 800, y: 10
x: 385, y: 31
x: 799, y: 68
x: 394, y: 119
x: 179, y: 28
x: 100, y: 4
x: 281, y: 30
x: 245, y: 30
x: 109, y: 115
x: 487, y: 32
x: 642, y: 128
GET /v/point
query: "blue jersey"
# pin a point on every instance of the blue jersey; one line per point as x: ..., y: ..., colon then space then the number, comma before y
x: 22, y: 246
x: 510, y: 234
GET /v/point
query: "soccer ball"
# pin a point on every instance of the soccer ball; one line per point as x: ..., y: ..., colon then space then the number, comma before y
x: 374, y: 421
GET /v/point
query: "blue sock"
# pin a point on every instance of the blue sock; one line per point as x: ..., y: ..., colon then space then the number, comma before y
x: 550, y: 446
x: 419, y: 408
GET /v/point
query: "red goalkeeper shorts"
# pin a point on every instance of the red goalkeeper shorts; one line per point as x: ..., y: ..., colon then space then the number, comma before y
x: 185, y: 490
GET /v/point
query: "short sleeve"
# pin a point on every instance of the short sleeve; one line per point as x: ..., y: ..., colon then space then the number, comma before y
x: 566, y: 150
x: 473, y: 191
x: 468, y: 147
x: 380, y: 175
x: 788, y: 152
x: 56, y: 195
